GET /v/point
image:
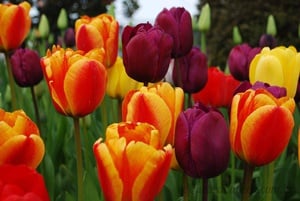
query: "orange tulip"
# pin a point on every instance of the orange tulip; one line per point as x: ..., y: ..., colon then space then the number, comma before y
x: 261, y: 125
x: 76, y: 81
x: 20, y: 141
x: 158, y: 105
x: 15, y: 25
x: 131, y: 164
x: 101, y: 31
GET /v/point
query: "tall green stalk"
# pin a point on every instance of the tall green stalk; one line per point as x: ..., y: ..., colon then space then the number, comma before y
x: 248, y: 173
x: 79, y: 159
x: 268, y: 173
x: 36, y: 109
x: 11, y: 82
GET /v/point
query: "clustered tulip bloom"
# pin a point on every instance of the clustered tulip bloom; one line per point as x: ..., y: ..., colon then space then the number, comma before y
x: 178, y: 23
x: 219, y: 89
x: 20, y: 141
x: 15, y: 25
x: 152, y: 64
x: 202, y: 142
x: 101, y: 31
x: 158, y: 105
x: 20, y: 182
x: 279, y: 66
x: 131, y: 163
x: 76, y: 81
x: 26, y: 67
x: 260, y: 125
x: 119, y: 83
x: 190, y: 71
x: 239, y: 60
x: 267, y: 40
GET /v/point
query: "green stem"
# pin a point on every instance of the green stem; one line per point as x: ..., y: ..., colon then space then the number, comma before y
x: 36, y: 109
x: 268, y: 172
x: 232, y: 174
x: 248, y: 172
x: 219, y: 186
x: 79, y: 159
x: 203, y: 42
x: 11, y: 82
x: 185, y: 188
x: 204, y: 189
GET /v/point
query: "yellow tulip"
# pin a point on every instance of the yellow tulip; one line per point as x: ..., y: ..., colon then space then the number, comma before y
x: 279, y: 66
x: 119, y: 83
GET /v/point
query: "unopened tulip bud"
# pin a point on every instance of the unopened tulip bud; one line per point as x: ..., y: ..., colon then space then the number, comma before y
x: 62, y: 20
x: 271, y: 26
x: 236, y: 36
x: 44, y: 28
x: 204, y: 19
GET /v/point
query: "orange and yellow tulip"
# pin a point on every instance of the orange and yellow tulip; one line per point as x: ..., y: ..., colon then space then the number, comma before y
x: 260, y: 125
x: 101, y: 31
x: 20, y: 141
x: 15, y: 25
x: 158, y: 105
x: 76, y: 81
x: 126, y: 175
x: 279, y: 66
x: 119, y: 83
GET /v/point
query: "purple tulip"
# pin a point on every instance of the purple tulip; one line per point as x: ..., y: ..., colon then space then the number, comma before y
x: 69, y: 37
x: 239, y: 60
x: 178, y: 23
x: 267, y: 40
x: 146, y: 52
x: 191, y: 71
x: 26, y: 67
x: 202, y: 142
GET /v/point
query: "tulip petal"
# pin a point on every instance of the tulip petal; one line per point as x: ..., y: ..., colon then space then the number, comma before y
x: 150, y: 108
x: 88, y: 38
x: 273, y: 124
x: 84, y: 86
x: 21, y: 149
x: 109, y: 177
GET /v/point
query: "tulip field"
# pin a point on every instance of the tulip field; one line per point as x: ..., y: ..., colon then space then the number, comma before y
x: 137, y: 113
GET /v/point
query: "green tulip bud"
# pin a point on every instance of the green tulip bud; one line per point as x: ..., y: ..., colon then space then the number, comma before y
x: 62, y: 20
x: 271, y: 26
x: 236, y: 36
x: 204, y: 19
x: 44, y: 28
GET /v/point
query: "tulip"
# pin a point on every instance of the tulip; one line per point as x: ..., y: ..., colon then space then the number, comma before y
x: 158, y: 105
x: 236, y: 35
x: 26, y: 67
x: 62, y: 20
x: 76, y: 81
x: 150, y: 65
x: 219, y: 89
x: 239, y: 60
x: 44, y: 27
x: 202, y: 142
x: 190, y: 73
x: 19, y: 182
x: 297, y: 96
x: 101, y: 31
x: 267, y: 40
x: 260, y: 125
x: 271, y: 26
x: 20, y: 141
x: 119, y: 83
x: 204, y: 18
x: 279, y: 67
x: 178, y: 23
x: 69, y: 37
x: 15, y: 25
x: 126, y: 175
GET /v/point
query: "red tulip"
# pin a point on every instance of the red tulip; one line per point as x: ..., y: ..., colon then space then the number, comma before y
x: 76, y: 81
x: 21, y: 183
x: 260, y: 125
x: 15, y: 25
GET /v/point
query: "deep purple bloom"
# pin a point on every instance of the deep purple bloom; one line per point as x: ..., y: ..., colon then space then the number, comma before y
x: 191, y: 71
x: 26, y: 67
x: 146, y: 52
x: 267, y: 40
x: 178, y: 23
x: 69, y: 37
x: 202, y: 142
x: 276, y: 91
x: 239, y: 60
